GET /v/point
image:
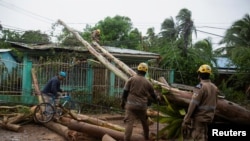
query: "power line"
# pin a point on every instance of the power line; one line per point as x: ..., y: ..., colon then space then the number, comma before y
x: 211, y: 27
x: 25, y: 12
x: 13, y: 28
x: 210, y: 33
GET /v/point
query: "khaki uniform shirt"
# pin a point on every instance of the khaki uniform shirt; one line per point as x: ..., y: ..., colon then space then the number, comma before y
x: 203, y: 104
x: 139, y: 90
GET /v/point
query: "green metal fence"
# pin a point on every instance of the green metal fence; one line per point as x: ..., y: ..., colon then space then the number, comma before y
x: 91, y: 83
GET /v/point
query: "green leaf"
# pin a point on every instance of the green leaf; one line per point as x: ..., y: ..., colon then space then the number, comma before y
x: 182, y: 112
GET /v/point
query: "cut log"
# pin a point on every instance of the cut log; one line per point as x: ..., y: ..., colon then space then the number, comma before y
x: 99, y: 132
x: 61, y: 130
x: 110, y: 117
x: 11, y: 127
x: 92, y: 120
x: 18, y: 118
x: 107, y: 137
x: 100, y: 122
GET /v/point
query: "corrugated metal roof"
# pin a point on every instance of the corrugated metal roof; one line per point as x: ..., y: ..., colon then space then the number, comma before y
x: 129, y: 51
x: 5, y: 50
x: 113, y: 50
x: 223, y: 62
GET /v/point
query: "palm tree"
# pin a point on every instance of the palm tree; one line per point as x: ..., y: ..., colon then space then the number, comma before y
x: 176, y: 37
x: 238, y: 34
x: 237, y: 41
x: 203, y: 50
x: 185, y: 27
x: 169, y: 30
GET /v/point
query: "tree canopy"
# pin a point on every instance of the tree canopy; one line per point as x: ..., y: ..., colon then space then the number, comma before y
x: 237, y: 40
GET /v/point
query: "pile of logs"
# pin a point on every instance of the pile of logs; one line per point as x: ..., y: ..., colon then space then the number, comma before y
x: 77, y: 127
x: 10, y: 116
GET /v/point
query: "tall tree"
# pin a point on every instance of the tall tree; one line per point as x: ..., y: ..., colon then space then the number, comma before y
x: 169, y: 30
x: 150, y: 40
x: 237, y: 40
x: 185, y: 27
x: 115, y: 31
x: 8, y: 35
x: 35, y: 37
x: 177, y: 50
x: 204, y: 50
x: 135, y: 40
x: 67, y: 39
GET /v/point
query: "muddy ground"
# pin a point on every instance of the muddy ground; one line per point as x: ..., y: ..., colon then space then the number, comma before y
x: 37, y: 132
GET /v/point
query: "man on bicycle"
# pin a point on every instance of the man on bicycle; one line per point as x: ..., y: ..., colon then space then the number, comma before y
x: 52, y: 89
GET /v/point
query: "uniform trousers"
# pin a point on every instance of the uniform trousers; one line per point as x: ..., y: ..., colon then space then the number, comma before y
x: 131, y: 115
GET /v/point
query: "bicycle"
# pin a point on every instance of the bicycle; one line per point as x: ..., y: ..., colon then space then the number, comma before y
x: 44, y: 112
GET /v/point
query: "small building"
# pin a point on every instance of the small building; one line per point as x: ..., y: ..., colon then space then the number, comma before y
x: 225, y: 65
x: 225, y: 69
x: 6, y: 57
x: 86, y: 74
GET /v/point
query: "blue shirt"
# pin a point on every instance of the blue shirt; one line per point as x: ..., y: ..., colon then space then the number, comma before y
x: 52, y: 86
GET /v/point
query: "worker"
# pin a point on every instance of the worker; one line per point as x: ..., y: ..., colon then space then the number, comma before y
x: 136, y: 92
x: 52, y: 89
x: 201, y: 110
x: 95, y: 36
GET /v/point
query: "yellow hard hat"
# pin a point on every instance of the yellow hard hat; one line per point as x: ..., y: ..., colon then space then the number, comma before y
x: 205, y: 69
x: 142, y: 67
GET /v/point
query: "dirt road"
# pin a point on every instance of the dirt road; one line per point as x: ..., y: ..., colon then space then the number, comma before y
x: 37, y: 132
x: 30, y: 132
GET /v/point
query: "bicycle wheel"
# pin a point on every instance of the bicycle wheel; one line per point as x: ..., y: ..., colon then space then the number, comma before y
x: 44, y: 112
x: 73, y: 107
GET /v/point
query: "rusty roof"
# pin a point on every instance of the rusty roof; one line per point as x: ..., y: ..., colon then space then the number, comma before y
x: 115, y: 51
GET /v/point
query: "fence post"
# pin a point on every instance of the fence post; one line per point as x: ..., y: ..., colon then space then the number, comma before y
x: 89, y: 82
x: 171, y: 76
x: 112, y: 84
x: 26, y: 79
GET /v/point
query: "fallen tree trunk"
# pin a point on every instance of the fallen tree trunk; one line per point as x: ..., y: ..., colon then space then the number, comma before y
x: 107, y: 137
x: 99, y: 122
x: 122, y: 65
x: 92, y: 120
x: 99, y: 132
x: 62, y: 130
x: 102, y: 59
x: 225, y: 109
x: 11, y: 127
x: 34, y: 78
x: 11, y: 116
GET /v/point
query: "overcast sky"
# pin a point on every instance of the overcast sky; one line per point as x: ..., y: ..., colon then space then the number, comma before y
x: 208, y: 15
